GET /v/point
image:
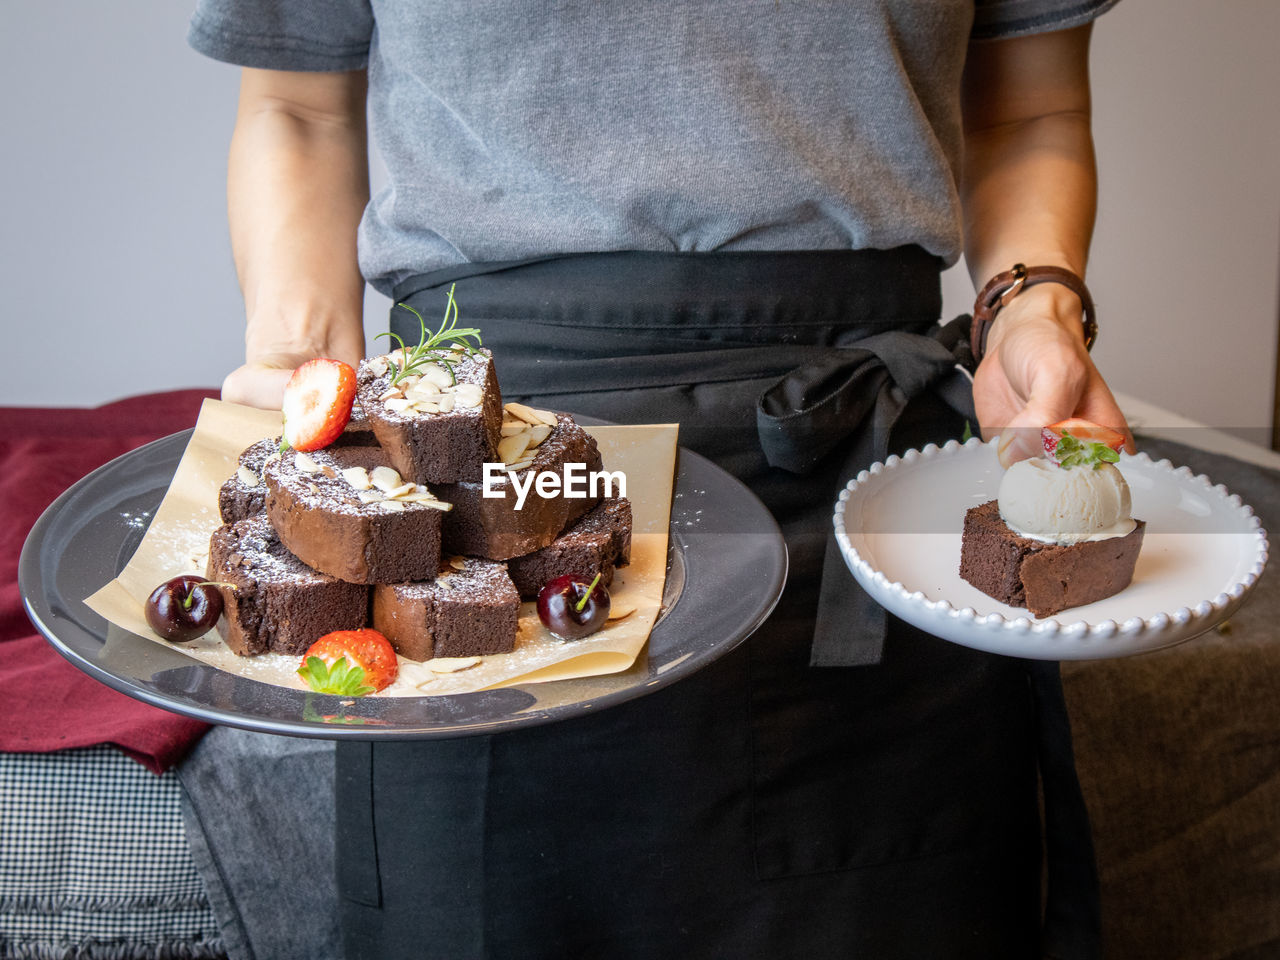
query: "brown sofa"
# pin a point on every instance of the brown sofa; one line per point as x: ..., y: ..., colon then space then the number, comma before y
x: 1179, y: 757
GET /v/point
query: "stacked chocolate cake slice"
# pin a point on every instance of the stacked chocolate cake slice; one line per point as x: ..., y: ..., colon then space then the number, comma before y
x: 401, y: 526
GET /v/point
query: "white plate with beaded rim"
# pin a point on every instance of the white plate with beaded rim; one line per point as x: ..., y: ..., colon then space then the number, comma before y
x: 899, y: 526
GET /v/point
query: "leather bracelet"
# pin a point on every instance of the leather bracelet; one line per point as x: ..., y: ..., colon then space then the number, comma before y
x: 1003, y: 287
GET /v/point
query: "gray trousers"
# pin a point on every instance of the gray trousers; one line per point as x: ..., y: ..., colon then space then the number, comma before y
x: 258, y: 811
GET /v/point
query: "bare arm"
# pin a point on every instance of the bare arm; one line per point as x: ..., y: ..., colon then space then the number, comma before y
x: 1029, y: 195
x: 297, y: 184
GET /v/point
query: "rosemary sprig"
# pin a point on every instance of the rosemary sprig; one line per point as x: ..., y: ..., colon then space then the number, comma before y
x: 430, y: 349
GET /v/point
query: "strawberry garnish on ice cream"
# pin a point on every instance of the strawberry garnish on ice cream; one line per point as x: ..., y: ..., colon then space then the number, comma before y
x: 317, y: 403
x: 1084, y: 435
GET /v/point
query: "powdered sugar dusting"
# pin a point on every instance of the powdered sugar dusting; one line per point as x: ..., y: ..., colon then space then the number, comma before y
x: 478, y: 581
x: 330, y: 486
x: 462, y: 392
x: 253, y: 545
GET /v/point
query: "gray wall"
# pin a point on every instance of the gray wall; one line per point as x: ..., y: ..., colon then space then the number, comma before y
x: 114, y: 260
x: 117, y: 275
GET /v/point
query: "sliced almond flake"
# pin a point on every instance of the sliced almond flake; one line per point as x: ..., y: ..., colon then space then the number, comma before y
x: 511, y: 427
x: 469, y: 395
x: 547, y: 418
x: 385, y: 478
x: 358, y: 477
x: 521, y: 412
x: 399, y: 404
x: 621, y: 611
x: 410, y: 380
x: 402, y: 491
x: 378, y: 366
x: 304, y: 463
x: 438, y: 375
x: 442, y: 581
x: 423, y: 390
x: 392, y: 506
x: 451, y: 664
x: 446, y: 402
x: 520, y: 465
x: 246, y: 476
x: 426, y: 406
x: 538, y: 434
x: 427, y: 500
x: 391, y: 393
x: 369, y: 496
x: 314, y: 488
x: 458, y: 563
x: 512, y: 448
x: 430, y: 678
x: 417, y: 496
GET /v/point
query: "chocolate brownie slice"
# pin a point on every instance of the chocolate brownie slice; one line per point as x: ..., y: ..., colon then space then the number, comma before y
x: 1046, y: 578
x: 358, y: 431
x: 470, y: 609
x: 275, y: 602
x: 597, y: 543
x: 348, y: 513
x: 436, y: 426
x: 502, y: 527
x: 245, y: 494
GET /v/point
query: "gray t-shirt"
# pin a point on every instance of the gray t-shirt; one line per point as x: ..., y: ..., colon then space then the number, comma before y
x: 516, y: 128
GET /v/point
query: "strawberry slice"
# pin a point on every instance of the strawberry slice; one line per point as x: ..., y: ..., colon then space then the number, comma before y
x: 317, y: 403
x: 1086, y: 431
x: 350, y: 663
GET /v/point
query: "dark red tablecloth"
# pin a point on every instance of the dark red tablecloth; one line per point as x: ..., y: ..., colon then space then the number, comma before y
x: 47, y: 703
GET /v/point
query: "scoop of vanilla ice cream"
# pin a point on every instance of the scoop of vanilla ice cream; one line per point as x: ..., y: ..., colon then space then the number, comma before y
x: 1043, y: 501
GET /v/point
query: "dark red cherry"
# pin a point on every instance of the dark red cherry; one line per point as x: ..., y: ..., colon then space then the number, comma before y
x: 184, y: 608
x: 572, y: 607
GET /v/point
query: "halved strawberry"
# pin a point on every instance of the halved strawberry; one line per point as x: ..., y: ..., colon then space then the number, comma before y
x: 317, y: 403
x: 1086, y: 431
x: 350, y: 663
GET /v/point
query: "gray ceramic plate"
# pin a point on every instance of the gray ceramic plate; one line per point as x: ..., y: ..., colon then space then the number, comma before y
x: 726, y: 566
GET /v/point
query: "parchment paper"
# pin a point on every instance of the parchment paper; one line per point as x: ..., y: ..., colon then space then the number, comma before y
x: 177, y: 542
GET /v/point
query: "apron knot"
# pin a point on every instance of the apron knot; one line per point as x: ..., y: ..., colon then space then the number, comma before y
x: 818, y: 406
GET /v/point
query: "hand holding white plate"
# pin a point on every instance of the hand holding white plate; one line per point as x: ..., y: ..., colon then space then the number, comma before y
x: 899, y: 526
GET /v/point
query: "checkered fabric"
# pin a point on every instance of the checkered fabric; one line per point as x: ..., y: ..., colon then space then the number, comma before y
x: 94, y: 862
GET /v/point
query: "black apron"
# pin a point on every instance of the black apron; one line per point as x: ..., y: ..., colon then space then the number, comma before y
x: 871, y: 791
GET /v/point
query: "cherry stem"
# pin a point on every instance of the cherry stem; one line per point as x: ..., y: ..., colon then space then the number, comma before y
x: 587, y: 596
x: 191, y: 593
